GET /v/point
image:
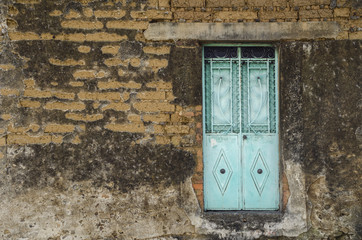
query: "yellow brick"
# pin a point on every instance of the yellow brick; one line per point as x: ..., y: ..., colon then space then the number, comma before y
x: 33, y: 127
x: 64, y: 95
x: 117, y: 106
x: 280, y: 15
x: 229, y: 3
x: 176, y: 140
x: 76, y: 84
x: 29, y: 83
x: 109, y: 85
x: 355, y: 35
x: 67, y: 62
x: 134, y: 118
x: 109, y: 13
x: 46, y: 36
x: 11, y: 23
x: 158, y: 129
x: 6, y: 116
x: 127, y: 24
x: 64, y: 106
x: 6, y: 67
x: 162, y: 140
x: 157, y: 50
x: 160, y: 85
x: 59, y: 128
x: 302, y: 2
x: 157, y: 64
x: 1, y: 154
x: 29, y: 104
x: 193, y: 15
x: 190, y: 3
x: 341, y: 12
x: 116, y: 62
x: 177, y: 129
x: 263, y: 3
x: 151, y: 14
x: 164, y: 3
x: 72, y: 37
x: 37, y: 93
x: 170, y: 96
x: 87, y: 74
x: 72, y: 14
x: 95, y: 96
x: 57, y: 139
x: 116, y: 85
x: 132, y: 85
x: 2, y: 141
x: 315, y: 14
x: 23, y: 139
x: 55, y: 13
x: 9, y: 92
x: 28, y: 1
x: 154, y: 106
x: 139, y: 128
x: 80, y: 24
x: 159, y: 118
x: 125, y: 96
x: 88, y: 12
x: 109, y: 49
x: 151, y: 95
x: 13, y: 11
x: 19, y: 36
x: 104, y: 37
x: 135, y: 62
x: 235, y: 15
x: 84, y: 118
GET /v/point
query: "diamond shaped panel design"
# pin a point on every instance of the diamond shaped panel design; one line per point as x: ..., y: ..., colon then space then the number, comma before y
x: 259, y: 172
x: 222, y: 172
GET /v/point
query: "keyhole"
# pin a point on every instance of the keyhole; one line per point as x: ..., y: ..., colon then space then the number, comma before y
x: 222, y: 171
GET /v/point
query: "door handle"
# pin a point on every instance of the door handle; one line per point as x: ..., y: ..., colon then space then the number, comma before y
x: 245, y: 137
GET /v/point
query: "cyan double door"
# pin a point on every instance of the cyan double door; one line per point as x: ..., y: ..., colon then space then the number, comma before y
x: 240, y: 138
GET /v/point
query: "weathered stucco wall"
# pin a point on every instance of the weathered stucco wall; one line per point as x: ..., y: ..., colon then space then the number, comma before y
x: 101, y: 127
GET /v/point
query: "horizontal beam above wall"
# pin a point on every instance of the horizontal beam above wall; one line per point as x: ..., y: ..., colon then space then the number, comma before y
x: 253, y: 31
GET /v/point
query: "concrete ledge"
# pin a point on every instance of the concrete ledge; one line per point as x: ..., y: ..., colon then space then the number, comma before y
x: 255, y: 31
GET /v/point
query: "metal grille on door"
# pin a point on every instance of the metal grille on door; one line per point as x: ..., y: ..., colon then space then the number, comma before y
x: 240, y: 128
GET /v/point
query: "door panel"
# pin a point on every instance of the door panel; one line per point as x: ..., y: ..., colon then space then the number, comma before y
x: 222, y: 172
x: 241, y: 149
x: 260, y: 172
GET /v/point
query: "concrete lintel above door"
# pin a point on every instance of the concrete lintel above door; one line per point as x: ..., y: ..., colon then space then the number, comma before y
x: 253, y: 31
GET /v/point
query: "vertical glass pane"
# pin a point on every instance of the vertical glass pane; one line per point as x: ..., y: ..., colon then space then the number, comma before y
x: 244, y: 95
x: 272, y: 98
x: 236, y: 96
x: 207, y: 92
x: 221, y: 102
x: 258, y: 97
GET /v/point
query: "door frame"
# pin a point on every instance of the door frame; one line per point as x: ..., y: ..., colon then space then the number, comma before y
x: 277, y: 82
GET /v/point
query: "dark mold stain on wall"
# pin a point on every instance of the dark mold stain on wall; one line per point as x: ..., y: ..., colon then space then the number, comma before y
x: 107, y: 159
x: 321, y: 110
x: 185, y: 70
